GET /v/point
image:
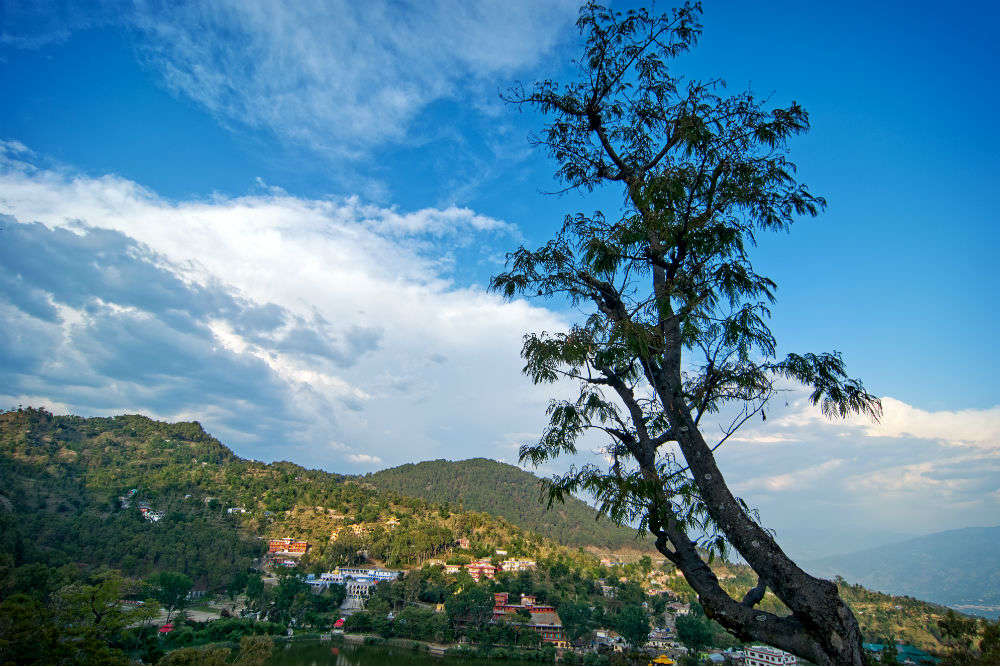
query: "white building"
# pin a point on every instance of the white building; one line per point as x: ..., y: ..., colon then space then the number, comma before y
x: 767, y: 655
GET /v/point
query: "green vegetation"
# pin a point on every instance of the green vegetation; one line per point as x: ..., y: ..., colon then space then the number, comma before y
x: 503, y: 490
x: 70, y: 551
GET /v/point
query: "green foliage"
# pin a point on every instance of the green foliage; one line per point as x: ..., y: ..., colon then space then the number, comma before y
x: 255, y: 650
x: 171, y: 589
x: 197, y: 655
x: 81, y: 622
x: 472, y: 606
x: 503, y: 490
x: 698, y: 632
x: 632, y: 623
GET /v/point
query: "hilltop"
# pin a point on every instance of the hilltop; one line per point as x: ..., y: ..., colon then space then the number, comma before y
x: 959, y: 568
x: 503, y: 490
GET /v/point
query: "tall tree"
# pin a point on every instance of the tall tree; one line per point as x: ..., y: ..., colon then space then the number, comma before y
x: 676, y: 327
x: 171, y: 589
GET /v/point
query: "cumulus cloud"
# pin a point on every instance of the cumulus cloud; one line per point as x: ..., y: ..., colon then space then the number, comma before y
x: 340, y: 76
x: 960, y: 428
x: 281, y: 322
x: 863, y: 483
x: 363, y: 458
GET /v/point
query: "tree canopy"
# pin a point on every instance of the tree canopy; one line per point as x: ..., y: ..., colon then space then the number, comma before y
x: 676, y: 325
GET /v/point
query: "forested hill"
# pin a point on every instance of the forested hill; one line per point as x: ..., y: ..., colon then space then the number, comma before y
x: 484, y: 485
x: 72, y: 491
x: 958, y: 568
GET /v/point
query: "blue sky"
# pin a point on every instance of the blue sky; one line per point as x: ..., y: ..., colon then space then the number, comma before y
x: 278, y: 220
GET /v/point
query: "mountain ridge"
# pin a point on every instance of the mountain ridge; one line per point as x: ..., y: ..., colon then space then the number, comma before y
x: 958, y: 567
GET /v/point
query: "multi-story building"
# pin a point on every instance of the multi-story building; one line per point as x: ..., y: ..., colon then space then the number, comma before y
x: 767, y: 655
x: 287, y: 546
x: 482, y: 568
x: 543, y: 618
x: 517, y: 565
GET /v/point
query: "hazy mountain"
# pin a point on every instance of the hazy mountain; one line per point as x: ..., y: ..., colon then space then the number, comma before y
x: 959, y: 568
x: 507, y: 491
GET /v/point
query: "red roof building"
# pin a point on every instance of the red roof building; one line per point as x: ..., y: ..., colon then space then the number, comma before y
x: 544, y: 619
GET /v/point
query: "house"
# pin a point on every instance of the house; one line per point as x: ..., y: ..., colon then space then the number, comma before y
x: 767, y: 655
x: 452, y: 569
x: 543, y: 618
x: 166, y: 628
x: 501, y: 552
x: 150, y: 515
x: 678, y: 608
x: 609, y: 562
x: 517, y: 564
x: 235, y: 510
x: 287, y: 546
x: 463, y: 543
x: 608, y: 639
x: 659, y: 640
x: 481, y: 568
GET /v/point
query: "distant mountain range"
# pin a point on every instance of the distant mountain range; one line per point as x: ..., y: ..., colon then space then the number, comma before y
x: 485, y: 485
x: 959, y: 568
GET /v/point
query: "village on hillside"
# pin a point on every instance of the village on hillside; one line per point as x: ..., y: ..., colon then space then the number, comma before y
x: 529, y: 614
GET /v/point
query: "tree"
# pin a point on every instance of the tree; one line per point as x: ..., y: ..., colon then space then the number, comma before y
x: 632, y: 623
x: 676, y: 315
x: 255, y: 650
x: 989, y: 644
x: 890, y: 655
x: 171, y: 589
x: 472, y: 606
x: 694, y: 631
x: 959, y: 633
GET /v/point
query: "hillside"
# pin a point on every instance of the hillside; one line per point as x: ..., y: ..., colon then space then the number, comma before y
x: 62, y: 477
x: 499, y: 489
x: 958, y: 568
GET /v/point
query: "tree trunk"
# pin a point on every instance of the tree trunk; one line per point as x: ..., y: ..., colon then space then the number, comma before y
x: 822, y: 628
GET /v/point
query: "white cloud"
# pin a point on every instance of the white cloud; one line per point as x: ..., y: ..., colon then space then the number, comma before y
x: 363, y: 458
x: 796, y: 480
x: 960, y: 428
x: 341, y: 76
x: 968, y: 428
x: 374, y: 322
